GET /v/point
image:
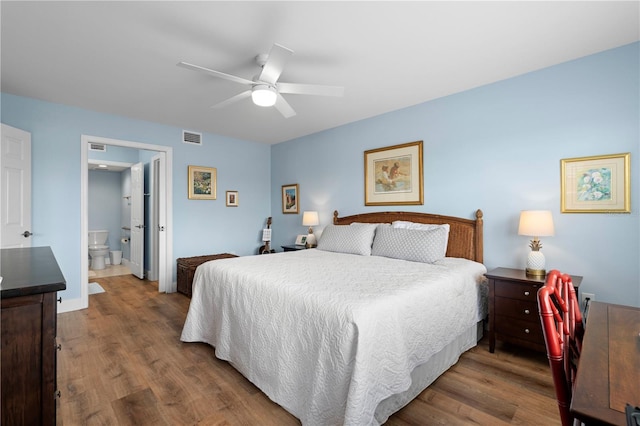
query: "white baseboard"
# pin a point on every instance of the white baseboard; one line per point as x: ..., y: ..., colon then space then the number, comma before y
x: 68, y: 305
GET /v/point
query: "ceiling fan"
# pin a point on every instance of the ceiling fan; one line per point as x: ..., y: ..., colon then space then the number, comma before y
x: 265, y: 89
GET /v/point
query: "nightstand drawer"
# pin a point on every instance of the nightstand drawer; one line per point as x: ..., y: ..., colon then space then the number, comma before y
x: 520, y: 309
x: 519, y: 291
x: 525, y: 330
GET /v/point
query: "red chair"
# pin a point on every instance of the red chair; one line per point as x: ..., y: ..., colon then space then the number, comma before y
x: 563, y: 331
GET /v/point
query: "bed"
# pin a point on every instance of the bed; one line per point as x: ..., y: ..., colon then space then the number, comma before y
x: 345, y: 334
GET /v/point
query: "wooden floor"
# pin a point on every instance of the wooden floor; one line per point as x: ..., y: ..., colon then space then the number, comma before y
x: 122, y: 363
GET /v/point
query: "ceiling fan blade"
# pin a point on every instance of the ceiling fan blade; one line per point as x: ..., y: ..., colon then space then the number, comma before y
x: 310, y: 89
x: 276, y: 61
x: 215, y: 73
x: 283, y: 106
x: 233, y: 99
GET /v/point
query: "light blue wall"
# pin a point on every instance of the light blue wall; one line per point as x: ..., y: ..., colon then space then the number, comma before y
x: 108, y: 208
x: 105, y: 205
x: 497, y: 148
x: 199, y: 226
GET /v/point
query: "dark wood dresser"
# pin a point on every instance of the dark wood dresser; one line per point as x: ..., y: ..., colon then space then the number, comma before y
x: 513, y: 308
x: 30, y: 279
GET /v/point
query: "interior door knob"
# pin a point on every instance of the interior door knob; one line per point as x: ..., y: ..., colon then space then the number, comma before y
x: 26, y: 234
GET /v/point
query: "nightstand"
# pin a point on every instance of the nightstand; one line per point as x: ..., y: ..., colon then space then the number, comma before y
x: 292, y: 247
x: 513, y: 308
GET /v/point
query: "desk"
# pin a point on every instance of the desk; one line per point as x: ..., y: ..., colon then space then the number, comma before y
x: 609, y: 369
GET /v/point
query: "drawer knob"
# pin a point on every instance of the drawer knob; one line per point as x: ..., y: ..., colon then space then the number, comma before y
x: 526, y: 330
x: 60, y: 299
x: 526, y: 293
x: 57, y: 394
x: 526, y: 311
x: 59, y: 346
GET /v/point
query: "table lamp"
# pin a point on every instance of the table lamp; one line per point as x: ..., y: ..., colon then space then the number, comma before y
x: 310, y: 219
x: 536, y: 223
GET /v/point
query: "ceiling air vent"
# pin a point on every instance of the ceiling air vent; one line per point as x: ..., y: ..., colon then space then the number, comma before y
x: 97, y: 147
x: 191, y: 137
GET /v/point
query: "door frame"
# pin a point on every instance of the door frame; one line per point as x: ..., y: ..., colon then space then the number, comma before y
x: 167, y: 263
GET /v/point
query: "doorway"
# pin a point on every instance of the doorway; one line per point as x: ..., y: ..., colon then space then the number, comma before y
x: 165, y: 202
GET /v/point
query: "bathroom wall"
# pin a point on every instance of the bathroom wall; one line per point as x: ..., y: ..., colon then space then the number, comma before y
x: 105, y: 201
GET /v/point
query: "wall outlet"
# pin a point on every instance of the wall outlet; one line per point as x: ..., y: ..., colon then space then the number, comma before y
x: 584, y: 297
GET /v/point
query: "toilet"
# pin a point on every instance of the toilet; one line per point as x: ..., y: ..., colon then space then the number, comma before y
x: 97, y: 248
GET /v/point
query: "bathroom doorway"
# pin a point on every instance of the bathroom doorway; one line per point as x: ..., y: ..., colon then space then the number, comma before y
x: 163, y: 186
x: 109, y: 204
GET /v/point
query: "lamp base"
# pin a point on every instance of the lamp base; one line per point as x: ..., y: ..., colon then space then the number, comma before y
x: 311, y: 241
x: 535, y: 272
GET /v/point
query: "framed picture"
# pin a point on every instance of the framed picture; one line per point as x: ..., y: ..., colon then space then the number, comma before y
x: 599, y: 184
x: 232, y: 198
x: 393, y: 175
x: 301, y: 240
x: 290, y: 198
x: 202, y: 183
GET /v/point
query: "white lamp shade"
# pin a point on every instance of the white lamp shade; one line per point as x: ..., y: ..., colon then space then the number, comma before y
x: 536, y: 223
x: 264, y: 95
x: 310, y: 219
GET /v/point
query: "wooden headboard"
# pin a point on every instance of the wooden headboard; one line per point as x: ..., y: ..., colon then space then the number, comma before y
x: 465, y: 235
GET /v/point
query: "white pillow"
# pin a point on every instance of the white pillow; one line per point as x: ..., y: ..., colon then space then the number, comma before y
x: 411, y: 244
x: 423, y: 227
x: 348, y: 239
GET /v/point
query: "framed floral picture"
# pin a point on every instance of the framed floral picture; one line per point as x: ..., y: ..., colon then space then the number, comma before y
x: 232, y: 198
x: 393, y: 175
x: 290, y: 198
x: 202, y: 183
x: 599, y: 184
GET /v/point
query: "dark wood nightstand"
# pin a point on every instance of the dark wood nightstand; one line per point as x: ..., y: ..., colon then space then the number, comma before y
x: 513, y: 308
x: 293, y: 247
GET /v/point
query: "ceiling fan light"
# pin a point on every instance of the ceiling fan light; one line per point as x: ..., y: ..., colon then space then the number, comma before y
x: 264, y: 95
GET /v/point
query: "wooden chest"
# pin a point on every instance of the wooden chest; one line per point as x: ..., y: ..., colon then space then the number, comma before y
x: 187, y: 269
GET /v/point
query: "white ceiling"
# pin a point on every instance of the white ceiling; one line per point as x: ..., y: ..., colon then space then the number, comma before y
x: 120, y: 57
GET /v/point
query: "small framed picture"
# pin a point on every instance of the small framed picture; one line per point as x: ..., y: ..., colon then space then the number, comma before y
x: 232, y: 198
x: 301, y: 240
x: 290, y: 198
x: 202, y: 183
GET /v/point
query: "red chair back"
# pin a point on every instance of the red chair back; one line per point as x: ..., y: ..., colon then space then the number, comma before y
x: 563, y: 330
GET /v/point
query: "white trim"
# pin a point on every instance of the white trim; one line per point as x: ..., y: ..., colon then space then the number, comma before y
x: 68, y: 305
x: 83, y: 302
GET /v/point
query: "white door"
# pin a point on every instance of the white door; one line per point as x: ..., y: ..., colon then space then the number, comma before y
x: 159, y: 220
x: 15, y: 180
x: 137, y: 221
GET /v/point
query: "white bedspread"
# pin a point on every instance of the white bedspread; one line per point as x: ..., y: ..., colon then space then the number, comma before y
x: 327, y: 335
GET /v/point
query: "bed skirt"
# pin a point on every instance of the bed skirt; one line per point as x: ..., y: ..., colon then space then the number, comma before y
x: 425, y: 374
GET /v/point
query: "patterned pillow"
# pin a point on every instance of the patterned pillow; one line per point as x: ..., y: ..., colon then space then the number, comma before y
x: 423, y: 227
x: 410, y: 244
x: 348, y: 239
